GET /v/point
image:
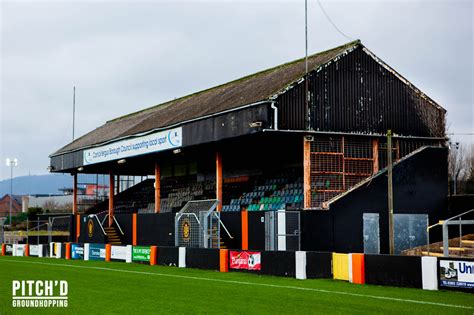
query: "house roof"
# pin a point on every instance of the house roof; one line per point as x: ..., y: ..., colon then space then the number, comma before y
x: 16, y: 198
x: 251, y: 89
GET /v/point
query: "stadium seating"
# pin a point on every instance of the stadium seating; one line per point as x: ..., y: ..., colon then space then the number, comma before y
x: 253, y: 194
x: 273, y: 194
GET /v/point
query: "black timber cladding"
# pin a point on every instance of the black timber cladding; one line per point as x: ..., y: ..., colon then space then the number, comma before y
x: 351, y: 91
x: 357, y: 94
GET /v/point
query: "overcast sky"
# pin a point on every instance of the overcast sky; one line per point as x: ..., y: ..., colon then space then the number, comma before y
x: 125, y: 56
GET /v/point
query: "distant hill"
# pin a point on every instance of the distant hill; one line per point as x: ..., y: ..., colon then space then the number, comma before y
x: 38, y: 184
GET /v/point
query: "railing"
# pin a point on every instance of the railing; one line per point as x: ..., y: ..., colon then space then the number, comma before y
x: 223, y: 225
x: 445, y: 225
x: 115, y: 220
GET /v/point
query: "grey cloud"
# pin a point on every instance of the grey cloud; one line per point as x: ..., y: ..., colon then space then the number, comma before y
x: 127, y: 56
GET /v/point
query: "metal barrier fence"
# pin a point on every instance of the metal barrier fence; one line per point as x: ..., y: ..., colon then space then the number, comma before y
x: 282, y: 230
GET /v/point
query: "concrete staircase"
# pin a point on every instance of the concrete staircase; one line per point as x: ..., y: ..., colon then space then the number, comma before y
x: 458, y: 247
x: 113, y: 236
x: 216, y: 242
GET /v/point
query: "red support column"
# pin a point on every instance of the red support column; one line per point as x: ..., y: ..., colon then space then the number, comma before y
x: 111, y: 199
x: 78, y: 227
x: 74, y: 194
x: 375, y: 155
x: 157, y: 188
x: 219, y: 180
x: 134, y: 229
x: 245, y: 229
x: 153, y: 255
x: 307, y: 173
x: 223, y: 260
x: 108, y: 249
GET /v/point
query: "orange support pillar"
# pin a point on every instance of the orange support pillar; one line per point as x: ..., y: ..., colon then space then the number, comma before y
x: 27, y: 250
x: 358, y: 269
x: 4, y: 248
x: 74, y: 194
x: 224, y: 260
x: 157, y: 188
x: 68, y: 251
x: 111, y: 199
x: 245, y: 229
x: 153, y: 255
x: 108, y: 249
x: 307, y: 174
x: 134, y: 229
x: 219, y: 180
x: 78, y: 227
x: 375, y: 155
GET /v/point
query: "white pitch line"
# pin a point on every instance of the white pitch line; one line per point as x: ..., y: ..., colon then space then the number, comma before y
x: 247, y: 283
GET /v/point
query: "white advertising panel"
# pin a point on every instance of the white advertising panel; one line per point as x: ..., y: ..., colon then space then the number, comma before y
x: 34, y: 250
x: 119, y: 252
x: 154, y: 142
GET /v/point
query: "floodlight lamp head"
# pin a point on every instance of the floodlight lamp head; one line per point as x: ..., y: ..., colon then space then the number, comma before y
x: 11, y: 162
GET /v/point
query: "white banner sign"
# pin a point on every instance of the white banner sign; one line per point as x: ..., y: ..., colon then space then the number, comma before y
x: 118, y: 252
x: 34, y: 250
x: 18, y: 250
x: 154, y: 142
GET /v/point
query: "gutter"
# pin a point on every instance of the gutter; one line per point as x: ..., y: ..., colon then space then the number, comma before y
x: 275, y: 115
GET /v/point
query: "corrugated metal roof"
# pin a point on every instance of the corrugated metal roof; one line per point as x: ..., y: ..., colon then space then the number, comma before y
x: 247, y: 90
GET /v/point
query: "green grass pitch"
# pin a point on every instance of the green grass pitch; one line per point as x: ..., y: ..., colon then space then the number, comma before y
x: 119, y: 288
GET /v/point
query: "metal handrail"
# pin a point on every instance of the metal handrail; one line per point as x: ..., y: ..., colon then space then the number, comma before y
x: 37, y: 227
x: 223, y: 225
x: 459, y: 215
x: 118, y: 225
x: 98, y: 221
x: 103, y: 220
x: 116, y: 222
x: 445, y: 223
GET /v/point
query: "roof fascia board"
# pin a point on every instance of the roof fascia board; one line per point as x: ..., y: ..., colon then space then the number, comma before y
x: 163, y: 128
x: 354, y: 134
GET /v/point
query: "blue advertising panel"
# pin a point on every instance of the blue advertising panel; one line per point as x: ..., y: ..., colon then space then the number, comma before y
x: 77, y: 251
x: 97, y: 251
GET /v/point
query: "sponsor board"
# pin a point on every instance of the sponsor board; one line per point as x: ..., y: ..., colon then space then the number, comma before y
x: 19, y: 250
x: 77, y: 251
x: 245, y: 260
x: 141, y: 253
x: 8, y: 249
x: 154, y: 142
x: 34, y: 250
x: 96, y: 251
x: 118, y: 252
x: 456, y: 273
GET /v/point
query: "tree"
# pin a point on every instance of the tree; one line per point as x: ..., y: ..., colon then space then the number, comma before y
x: 460, y: 161
x: 50, y: 204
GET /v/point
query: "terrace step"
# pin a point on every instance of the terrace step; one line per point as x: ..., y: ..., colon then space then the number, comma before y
x: 458, y: 249
x: 112, y: 236
x: 432, y: 254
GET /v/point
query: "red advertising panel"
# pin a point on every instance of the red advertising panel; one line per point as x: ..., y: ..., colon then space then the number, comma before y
x: 245, y: 260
